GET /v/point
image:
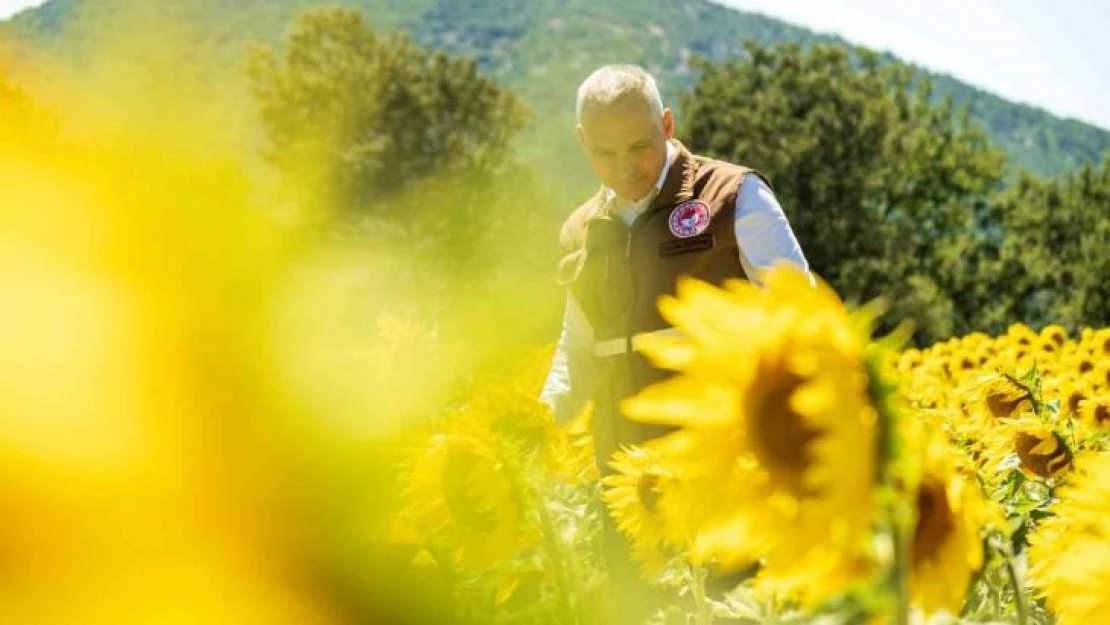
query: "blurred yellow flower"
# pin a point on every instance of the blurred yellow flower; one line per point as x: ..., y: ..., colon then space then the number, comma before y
x: 634, y: 493
x: 147, y: 472
x: 1069, y: 553
x: 1071, y: 391
x: 1099, y: 377
x: 1094, y: 412
x: 771, y: 398
x: 946, y: 548
x: 459, y: 490
x: 1098, y: 343
x: 1055, y: 333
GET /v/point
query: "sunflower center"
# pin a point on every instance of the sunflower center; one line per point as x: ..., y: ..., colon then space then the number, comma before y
x: 780, y: 436
x: 1004, y: 405
x: 1073, y: 400
x: 934, y: 521
x: 646, y: 491
x: 1086, y: 366
x: 1102, y: 413
x: 457, y: 471
x: 1044, y: 463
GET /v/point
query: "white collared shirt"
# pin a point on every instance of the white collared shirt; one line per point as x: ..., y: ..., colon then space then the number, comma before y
x: 764, y: 237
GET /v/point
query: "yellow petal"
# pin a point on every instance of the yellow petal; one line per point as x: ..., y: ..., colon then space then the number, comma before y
x: 668, y: 352
x: 506, y: 589
x: 684, y: 401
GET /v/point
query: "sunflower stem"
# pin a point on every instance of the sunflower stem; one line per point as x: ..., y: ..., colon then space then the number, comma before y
x: 555, y: 559
x: 447, y: 570
x: 898, y: 499
x: 1019, y: 596
x: 901, y: 569
x: 527, y: 492
x: 701, y: 602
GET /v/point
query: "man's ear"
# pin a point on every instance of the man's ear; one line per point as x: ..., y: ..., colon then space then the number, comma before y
x: 580, y: 135
x: 668, y: 124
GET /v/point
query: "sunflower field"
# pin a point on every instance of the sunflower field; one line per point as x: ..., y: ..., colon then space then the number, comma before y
x: 815, y: 474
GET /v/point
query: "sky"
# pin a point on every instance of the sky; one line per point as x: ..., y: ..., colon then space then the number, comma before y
x: 1049, y: 54
x: 1033, y: 51
x: 11, y: 7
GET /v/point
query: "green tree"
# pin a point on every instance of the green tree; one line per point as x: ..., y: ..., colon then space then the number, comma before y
x: 1054, y: 260
x: 410, y: 153
x: 878, y: 181
x: 371, y: 115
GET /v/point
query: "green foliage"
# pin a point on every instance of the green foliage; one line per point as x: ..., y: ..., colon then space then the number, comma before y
x: 410, y: 152
x: 1053, y: 264
x: 543, y: 48
x: 375, y: 115
x: 877, y: 181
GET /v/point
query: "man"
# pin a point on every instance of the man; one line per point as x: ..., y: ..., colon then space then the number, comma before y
x: 661, y: 212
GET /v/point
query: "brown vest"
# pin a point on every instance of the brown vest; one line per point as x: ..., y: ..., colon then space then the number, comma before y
x: 617, y: 274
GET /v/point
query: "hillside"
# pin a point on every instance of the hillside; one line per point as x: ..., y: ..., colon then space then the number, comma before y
x: 542, y: 48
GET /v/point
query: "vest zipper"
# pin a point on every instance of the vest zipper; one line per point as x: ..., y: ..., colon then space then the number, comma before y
x: 632, y: 280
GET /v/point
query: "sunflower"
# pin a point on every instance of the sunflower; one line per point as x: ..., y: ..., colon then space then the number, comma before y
x: 925, y: 386
x: 945, y: 549
x: 771, y: 401
x: 909, y: 360
x: 962, y: 363
x: 1099, y: 377
x: 1072, y: 391
x: 1055, y: 333
x: 1075, y: 582
x: 506, y: 409
x: 633, y: 494
x: 698, y: 512
x: 996, y: 397
x: 1045, y: 349
x: 1098, y: 343
x: 1094, y: 412
x: 1083, y: 362
x: 458, y: 489
x: 1017, y: 357
x: 1018, y: 335
x: 1069, y: 553
x: 1041, y: 449
x: 1050, y: 368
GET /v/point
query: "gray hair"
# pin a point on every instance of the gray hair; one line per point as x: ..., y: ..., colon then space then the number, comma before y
x: 613, y: 83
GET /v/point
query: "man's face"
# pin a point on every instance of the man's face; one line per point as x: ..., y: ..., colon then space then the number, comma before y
x: 627, y: 146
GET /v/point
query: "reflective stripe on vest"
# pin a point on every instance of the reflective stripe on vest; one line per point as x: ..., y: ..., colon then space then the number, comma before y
x: 615, y: 347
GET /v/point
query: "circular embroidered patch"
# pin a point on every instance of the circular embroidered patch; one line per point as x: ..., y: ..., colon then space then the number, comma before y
x: 689, y: 219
